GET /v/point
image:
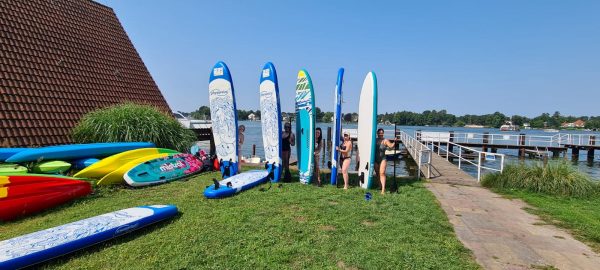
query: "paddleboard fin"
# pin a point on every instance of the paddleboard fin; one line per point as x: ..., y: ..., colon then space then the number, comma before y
x: 229, y: 185
x: 361, y: 177
x: 217, y: 185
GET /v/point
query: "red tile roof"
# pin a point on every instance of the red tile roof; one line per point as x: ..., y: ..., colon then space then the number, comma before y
x: 60, y: 59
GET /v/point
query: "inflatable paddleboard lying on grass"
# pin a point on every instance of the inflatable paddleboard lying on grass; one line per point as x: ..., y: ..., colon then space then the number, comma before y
x: 162, y: 170
x: 75, y: 151
x: 235, y: 184
x: 28, y: 194
x: 47, y: 244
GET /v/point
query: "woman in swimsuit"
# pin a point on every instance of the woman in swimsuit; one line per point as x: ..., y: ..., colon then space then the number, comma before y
x: 380, y: 161
x: 288, y: 140
x: 345, y: 150
x: 318, y: 147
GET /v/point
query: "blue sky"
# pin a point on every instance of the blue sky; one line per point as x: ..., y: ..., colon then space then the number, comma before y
x: 468, y: 57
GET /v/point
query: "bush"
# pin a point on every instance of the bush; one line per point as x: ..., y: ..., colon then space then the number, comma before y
x: 556, y: 178
x: 133, y: 123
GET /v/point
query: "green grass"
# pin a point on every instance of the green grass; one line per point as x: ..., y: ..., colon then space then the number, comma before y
x: 581, y: 216
x: 292, y: 226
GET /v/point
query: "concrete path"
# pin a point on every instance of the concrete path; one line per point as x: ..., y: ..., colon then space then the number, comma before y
x: 500, y: 233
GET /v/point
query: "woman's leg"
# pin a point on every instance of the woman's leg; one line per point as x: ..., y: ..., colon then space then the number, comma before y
x: 345, y: 166
x: 382, y: 177
x: 317, y: 170
x: 286, y: 164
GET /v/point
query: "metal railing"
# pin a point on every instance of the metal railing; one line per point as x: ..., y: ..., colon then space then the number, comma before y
x: 419, y: 151
x: 556, y: 140
x: 443, y: 148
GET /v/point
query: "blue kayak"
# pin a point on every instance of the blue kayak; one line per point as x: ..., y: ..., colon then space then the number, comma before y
x: 9, y: 152
x: 47, y: 244
x: 75, y: 151
x: 237, y: 183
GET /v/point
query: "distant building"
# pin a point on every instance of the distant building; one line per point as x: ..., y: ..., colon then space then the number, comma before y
x: 253, y: 117
x: 577, y: 124
x: 526, y: 126
x: 60, y: 60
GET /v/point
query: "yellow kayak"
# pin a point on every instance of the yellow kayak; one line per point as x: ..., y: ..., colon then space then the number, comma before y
x: 116, y: 176
x: 109, y: 164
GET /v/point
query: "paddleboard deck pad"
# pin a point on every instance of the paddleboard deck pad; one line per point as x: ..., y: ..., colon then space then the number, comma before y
x: 367, y: 126
x: 305, y: 126
x: 223, y: 114
x: 162, y: 170
x: 235, y: 184
x: 271, y: 119
x: 47, y: 244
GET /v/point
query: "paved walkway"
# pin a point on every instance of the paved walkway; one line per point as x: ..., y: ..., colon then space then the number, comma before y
x: 499, y: 232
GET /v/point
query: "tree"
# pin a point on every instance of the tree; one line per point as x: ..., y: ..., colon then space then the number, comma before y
x: 327, y: 117
x: 202, y: 113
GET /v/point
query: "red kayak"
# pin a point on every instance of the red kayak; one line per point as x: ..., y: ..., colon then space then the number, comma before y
x: 20, y: 179
x: 26, y: 197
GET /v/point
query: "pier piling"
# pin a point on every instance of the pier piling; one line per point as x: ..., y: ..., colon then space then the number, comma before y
x: 522, y: 143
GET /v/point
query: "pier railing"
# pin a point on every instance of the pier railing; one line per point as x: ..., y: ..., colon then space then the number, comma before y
x: 557, y: 140
x: 468, y: 156
x: 419, y: 151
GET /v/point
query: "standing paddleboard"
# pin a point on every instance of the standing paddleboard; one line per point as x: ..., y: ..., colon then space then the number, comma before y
x: 47, y: 244
x: 305, y: 126
x: 337, y: 126
x: 223, y: 114
x: 270, y: 111
x: 162, y: 170
x: 367, y: 126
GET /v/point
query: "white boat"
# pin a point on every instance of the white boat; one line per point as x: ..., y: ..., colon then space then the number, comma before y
x: 508, y: 126
x: 551, y: 130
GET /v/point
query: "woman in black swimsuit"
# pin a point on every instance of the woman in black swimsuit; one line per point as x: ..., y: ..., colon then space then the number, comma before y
x: 288, y: 140
x: 345, y: 150
x: 317, y: 152
x: 380, y: 162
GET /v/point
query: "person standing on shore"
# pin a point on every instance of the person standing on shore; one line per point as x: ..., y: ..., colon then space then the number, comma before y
x: 288, y: 140
x: 318, y: 147
x: 382, y: 144
x: 345, y: 151
x: 241, y: 131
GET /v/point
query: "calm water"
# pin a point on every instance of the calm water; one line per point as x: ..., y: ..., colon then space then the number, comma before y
x: 253, y: 135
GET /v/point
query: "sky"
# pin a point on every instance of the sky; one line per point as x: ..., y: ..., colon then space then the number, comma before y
x: 468, y: 57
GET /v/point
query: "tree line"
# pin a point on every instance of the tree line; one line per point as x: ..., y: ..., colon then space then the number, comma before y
x: 435, y: 118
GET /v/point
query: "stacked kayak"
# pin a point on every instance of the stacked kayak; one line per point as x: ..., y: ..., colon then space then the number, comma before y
x: 74, y: 151
x: 10, y: 169
x: 21, y: 195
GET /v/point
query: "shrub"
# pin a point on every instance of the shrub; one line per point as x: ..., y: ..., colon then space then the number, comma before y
x: 555, y: 178
x: 133, y: 123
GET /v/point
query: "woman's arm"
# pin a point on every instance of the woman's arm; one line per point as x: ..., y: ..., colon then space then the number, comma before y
x: 389, y: 144
x: 292, y: 139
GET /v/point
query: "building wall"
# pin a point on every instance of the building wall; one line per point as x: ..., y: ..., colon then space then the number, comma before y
x: 60, y: 59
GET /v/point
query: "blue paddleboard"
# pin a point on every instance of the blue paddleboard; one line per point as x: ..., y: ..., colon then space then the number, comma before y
x: 223, y: 114
x: 75, y: 151
x: 305, y: 126
x: 47, y: 244
x: 337, y: 126
x: 270, y: 111
x: 238, y: 183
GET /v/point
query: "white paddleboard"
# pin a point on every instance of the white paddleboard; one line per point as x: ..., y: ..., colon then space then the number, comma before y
x: 367, y: 126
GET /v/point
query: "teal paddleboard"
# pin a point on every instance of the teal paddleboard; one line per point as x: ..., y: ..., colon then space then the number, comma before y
x: 305, y: 126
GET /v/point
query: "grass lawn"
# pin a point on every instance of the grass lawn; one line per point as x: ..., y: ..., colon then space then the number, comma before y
x: 292, y: 226
x: 579, y: 215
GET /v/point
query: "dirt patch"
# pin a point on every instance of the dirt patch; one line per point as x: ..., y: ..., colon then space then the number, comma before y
x: 368, y: 223
x: 327, y: 228
x: 300, y: 219
x: 342, y: 265
x: 333, y: 203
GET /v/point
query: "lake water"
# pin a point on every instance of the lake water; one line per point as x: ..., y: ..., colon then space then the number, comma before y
x: 253, y: 135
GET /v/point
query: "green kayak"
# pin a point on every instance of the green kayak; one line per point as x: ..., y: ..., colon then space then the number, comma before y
x: 52, y: 167
x: 10, y: 169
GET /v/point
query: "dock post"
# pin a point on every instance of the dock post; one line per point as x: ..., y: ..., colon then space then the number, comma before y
x: 575, y: 153
x: 329, y: 142
x: 418, y: 135
x: 522, y: 144
x: 253, y: 150
x: 555, y: 154
x: 486, y: 139
x: 450, y: 146
x: 590, y: 153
